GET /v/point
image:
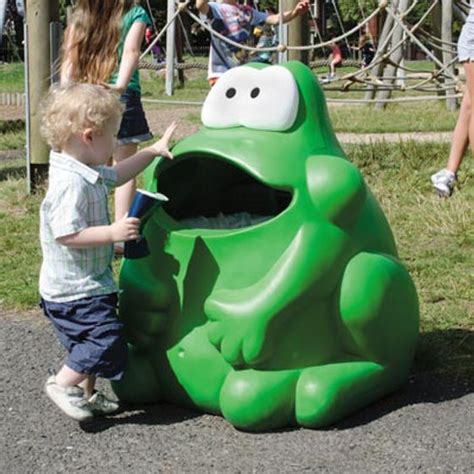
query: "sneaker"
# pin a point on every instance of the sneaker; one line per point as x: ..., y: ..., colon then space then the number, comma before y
x: 99, y: 404
x: 443, y: 181
x: 69, y: 399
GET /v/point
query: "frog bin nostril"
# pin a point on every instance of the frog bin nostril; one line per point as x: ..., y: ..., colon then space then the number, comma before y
x: 211, y: 192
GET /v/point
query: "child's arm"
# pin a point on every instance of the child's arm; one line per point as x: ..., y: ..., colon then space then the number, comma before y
x: 66, y: 66
x: 289, y: 15
x: 129, y: 168
x: 124, y: 229
x: 130, y: 56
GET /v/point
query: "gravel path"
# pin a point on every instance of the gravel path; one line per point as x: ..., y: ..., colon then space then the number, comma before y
x: 427, y: 427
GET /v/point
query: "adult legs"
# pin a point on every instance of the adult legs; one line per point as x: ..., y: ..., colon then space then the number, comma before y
x: 469, y: 70
x: 461, y: 134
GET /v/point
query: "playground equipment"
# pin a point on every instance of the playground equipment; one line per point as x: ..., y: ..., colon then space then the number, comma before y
x: 387, y: 72
x: 273, y: 294
x: 380, y: 77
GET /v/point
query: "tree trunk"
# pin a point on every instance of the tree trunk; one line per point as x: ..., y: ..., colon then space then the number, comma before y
x: 390, y: 70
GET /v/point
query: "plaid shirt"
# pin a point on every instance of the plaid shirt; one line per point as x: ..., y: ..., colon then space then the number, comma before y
x: 76, y: 199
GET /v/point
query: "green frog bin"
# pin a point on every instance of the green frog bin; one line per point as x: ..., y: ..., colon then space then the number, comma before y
x: 273, y: 294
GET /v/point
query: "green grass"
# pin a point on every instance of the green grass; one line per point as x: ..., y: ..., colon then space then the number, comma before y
x: 396, y: 118
x: 435, y: 240
x: 12, y: 134
x: 12, y: 77
x: 414, y: 117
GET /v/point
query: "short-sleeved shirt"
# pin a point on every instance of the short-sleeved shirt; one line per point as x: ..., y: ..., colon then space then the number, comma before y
x: 236, y: 23
x: 135, y: 15
x: 76, y: 199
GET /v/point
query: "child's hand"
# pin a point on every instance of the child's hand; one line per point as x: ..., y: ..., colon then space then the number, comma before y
x: 113, y: 87
x: 302, y: 7
x: 125, y: 229
x: 161, y: 147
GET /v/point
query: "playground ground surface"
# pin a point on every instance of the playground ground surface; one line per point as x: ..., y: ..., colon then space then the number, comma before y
x: 424, y: 427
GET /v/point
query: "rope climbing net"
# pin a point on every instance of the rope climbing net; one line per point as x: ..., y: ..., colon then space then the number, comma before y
x: 387, y: 71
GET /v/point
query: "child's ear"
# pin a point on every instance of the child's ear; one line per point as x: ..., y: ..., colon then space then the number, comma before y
x: 88, y: 135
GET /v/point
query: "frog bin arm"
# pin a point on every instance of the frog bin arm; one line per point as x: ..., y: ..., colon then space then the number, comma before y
x: 337, y: 192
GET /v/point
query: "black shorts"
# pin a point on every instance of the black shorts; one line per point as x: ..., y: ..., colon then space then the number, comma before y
x: 133, y: 127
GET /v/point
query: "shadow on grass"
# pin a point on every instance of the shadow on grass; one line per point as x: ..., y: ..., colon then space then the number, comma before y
x: 443, y: 371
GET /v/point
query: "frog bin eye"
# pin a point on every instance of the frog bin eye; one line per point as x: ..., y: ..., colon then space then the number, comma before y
x: 230, y: 93
x: 265, y: 99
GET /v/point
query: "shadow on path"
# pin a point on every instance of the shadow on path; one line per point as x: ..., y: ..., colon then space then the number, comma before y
x: 437, y: 376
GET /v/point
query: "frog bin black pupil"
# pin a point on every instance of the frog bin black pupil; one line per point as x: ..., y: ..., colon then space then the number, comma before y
x: 230, y: 93
x: 254, y: 92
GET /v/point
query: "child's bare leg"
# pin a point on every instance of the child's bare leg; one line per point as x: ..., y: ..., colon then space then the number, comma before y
x: 124, y: 194
x: 67, y: 377
x: 88, y: 385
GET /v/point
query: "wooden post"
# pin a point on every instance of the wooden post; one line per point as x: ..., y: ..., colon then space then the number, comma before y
x: 170, y: 49
x: 381, y: 50
x: 179, y: 49
x: 39, y: 15
x: 436, y: 21
x: 447, y: 35
x: 390, y: 70
x: 298, y: 33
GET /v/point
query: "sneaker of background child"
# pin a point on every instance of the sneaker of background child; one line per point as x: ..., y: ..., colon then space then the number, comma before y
x: 70, y: 400
x: 443, y: 181
x: 99, y: 404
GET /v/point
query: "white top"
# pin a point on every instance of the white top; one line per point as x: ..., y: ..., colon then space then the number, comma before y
x: 76, y: 199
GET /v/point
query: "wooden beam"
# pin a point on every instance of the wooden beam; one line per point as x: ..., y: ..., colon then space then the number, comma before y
x: 447, y: 36
x: 39, y: 15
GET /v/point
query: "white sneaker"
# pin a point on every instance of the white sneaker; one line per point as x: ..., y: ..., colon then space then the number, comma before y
x: 99, y: 404
x: 69, y: 399
x: 443, y: 181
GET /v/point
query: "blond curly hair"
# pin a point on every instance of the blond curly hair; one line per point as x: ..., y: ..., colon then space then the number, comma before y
x: 72, y: 108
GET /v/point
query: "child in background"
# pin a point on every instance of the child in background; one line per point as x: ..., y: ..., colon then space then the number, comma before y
x: 366, y: 48
x: 78, y: 294
x: 236, y: 22
x: 335, y: 59
x: 156, y: 52
x: 102, y: 45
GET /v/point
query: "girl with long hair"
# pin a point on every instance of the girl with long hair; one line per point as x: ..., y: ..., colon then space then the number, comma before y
x: 102, y: 46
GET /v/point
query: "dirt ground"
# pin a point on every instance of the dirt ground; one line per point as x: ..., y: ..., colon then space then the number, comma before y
x: 425, y: 427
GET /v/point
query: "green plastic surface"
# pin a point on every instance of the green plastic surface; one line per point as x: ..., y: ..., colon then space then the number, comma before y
x: 299, y: 320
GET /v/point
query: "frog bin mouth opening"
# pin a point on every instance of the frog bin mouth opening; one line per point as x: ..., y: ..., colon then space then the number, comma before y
x: 208, y: 192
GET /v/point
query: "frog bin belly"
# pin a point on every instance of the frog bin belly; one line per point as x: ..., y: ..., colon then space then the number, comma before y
x: 223, y: 314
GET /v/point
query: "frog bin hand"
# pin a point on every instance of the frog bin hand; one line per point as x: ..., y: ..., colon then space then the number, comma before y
x: 237, y: 335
